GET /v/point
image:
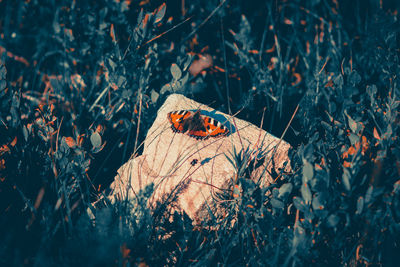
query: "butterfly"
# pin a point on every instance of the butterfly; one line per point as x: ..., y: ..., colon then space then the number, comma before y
x: 196, y: 125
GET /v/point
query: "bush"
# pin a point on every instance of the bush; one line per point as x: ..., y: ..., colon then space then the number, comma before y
x: 80, y: 83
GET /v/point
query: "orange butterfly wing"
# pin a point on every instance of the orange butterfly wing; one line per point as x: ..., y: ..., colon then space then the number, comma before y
x: 198, y: 134
x: 176, y: 118
x: 212, y: 127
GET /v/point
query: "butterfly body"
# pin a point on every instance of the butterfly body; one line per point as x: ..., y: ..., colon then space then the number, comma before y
x: 195, y: 124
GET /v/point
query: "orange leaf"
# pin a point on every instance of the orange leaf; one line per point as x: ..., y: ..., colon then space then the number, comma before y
x: 114, y: 86
x: 99, y: 128
x: 329, y: 84
x: 358, y: 251
x: 145, y: 20
x: 364, y: 144
x: 39, y: 198
x: 219, y: 68
x: 298, y: 79
x: 144, y: 2
x: 351, y: 150
x: 4, y: 149
x: 70, y: 142
x: 13, y: 142
x: 22, y: 60
x: 112, y: 33
x: 346, y: 164
x: 80, y: 139
x: 272, y: 49
x: 288, y: 21
x: 376, y: 134
x: 160, y: 12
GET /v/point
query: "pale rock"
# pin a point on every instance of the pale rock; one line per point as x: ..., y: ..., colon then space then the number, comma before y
x: 167, y: 161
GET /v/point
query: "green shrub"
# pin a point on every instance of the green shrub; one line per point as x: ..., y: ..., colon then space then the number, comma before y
x: 80, y: 84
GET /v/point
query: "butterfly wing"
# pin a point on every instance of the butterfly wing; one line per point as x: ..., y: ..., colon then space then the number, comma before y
x: 212, y: 127
x: 209, y: 126
x: 198, y: 134
x: 176, y: 119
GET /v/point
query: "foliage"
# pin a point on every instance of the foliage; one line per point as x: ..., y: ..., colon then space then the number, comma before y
x: 80, y: 83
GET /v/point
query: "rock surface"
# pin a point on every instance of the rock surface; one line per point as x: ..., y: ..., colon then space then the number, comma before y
x: 195, y: 169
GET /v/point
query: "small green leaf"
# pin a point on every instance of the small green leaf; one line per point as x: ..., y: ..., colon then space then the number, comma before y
x: 3, y: 85
x: 308, y: 151
x: 308, y: 171
x: 121, y: 81
x: 275, y: 192
x: 277, y: 204
x: 140, y: 17
x: 111, y: 64
x: 25, y: 133
x: 360, y: 205
x: 352, y: 123
x: 285, y: 190
x: 353, y: 138
x: 371, y: 90
x: 187, y: 62
x: 299, y: 204
x: 338, y: 81
x: 317, y: 202
x: 95, y: 139
x: 154, y: 96
x: 346, y: 179
x: 56, y: 27
x: 166, y: 88
x: 176, y: 71
x: 244, y: 26
x: 368, y: 194
x: 306, y: 193
x: 185, y: 79
x: 160, y: 13
x: 299, y: 235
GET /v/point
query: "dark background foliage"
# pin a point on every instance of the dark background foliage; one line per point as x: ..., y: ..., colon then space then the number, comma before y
x: 80, y: 84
